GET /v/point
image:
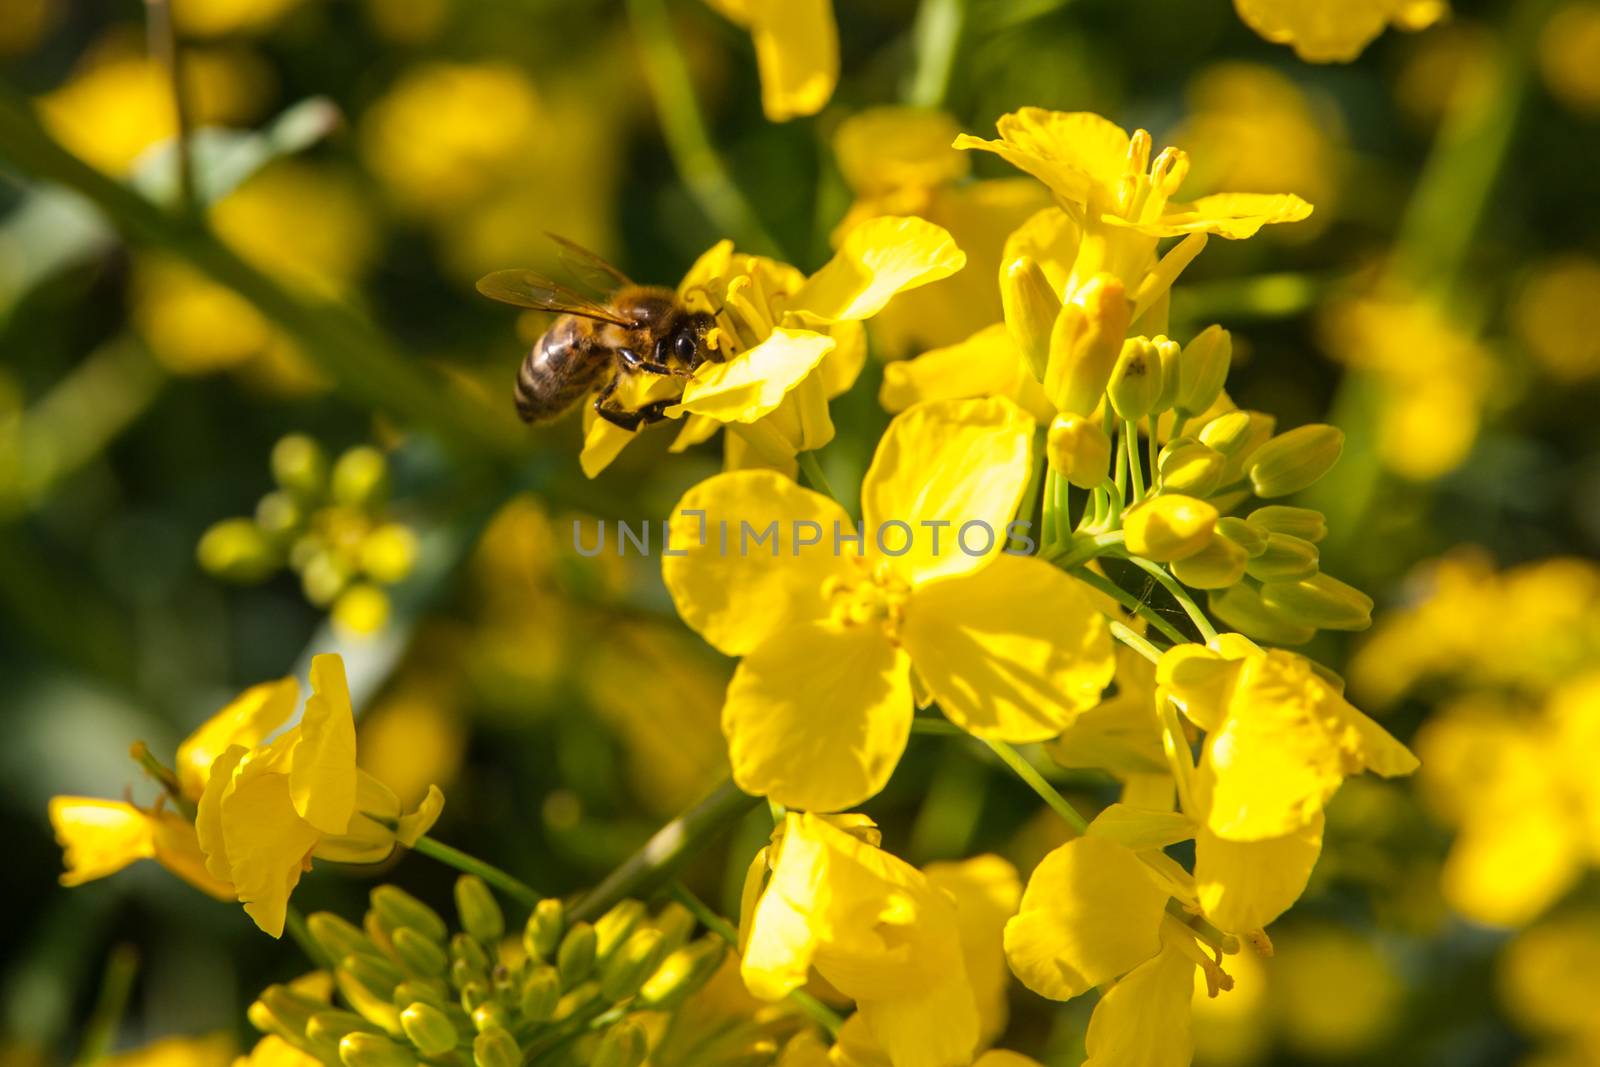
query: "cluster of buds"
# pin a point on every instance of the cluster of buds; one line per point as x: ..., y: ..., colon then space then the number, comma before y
x: 328, y: 523
x: 562, y: 992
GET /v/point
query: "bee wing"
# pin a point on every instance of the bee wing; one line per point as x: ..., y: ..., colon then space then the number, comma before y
x: 530, y: 289
x: 591, y: 266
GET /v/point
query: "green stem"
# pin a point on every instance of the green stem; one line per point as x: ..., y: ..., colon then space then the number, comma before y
x: 814, y: 475
x: 116, y: 984
x: 1130, y: 434
x: 1036, y: 781
x: 1179, y: 593
x: 1135, y: 640
x: 512, y: 887
x: 936, y: 727
x: 936, y: 37
x: 819, y: 1012
x: 1127, y: 600
x: 162, y: 36
x: 1153, y: 453
x: 1083, y: 548
x: 644, y: 871
x: 335, y: 338
x: 1052, y: 520
x: 685, y: 131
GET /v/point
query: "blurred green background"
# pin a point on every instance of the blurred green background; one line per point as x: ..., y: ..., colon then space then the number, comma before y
x: 1442, y: 306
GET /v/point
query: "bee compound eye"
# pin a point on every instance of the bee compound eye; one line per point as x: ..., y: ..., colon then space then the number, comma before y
x: 683, y: 346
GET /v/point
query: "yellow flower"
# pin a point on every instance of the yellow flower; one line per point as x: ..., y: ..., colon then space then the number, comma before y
x: 1324, y: 32
x: 100, y: 837
x: 787, y: 343
x: 797, y: 51
x: 214, y: 18
x: 1557, y: 316
x: 872, y: 926
x: 820, y: 707
x: 986, y: 891
x: 211, y: 1050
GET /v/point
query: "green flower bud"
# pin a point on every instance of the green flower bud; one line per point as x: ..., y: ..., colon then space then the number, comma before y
x: 1321, y: 601
x: 1293, y: 460
x: 507, y: 983
x: 465, y: 947
x: 676, y: 924
x: 623, y: 1045
x: 426, y: 991
x: 1166, y: 528
x: 1303, y: 523
x: 1218, y: 565
x: 1247, y: 535
x: 1227, y: 432
x: 1031, y: 308
x: 541, y: 991
x: 429, y: 1029
x: 1135, y: 383
x: 1084, y: 343
x: 575, y: 1000
x: 1286, y: 559
x: 398, y: 908
x: 463, y: 974
x: 683, y: 973
x: 377, y: 930
x: 1202, y: 370
x: 337, y: 936
x: 475, y: 994
x: 324, y: 578
x: 418, y: 953
x: 365, y: 984
x: 377, y: 972
x: 495, y: 1047
x: 330, y: 1026
x: 543, y: 932
x: 300, y: 466
x: 1257, y: 433
x: 480, y: 914
x: 373, y: 1050
x: 1189, y: 467
x: 1240, y: 607
x: 631, y: 964
x: 360, y: 478
x: 237, y: 550
x: 613, y: 928
x: 279, y: 516
x: 282, y: 1011
x: 491, y: 1014
x: 575, y: 958
x: 1169, y: 353
x: 1078, y: 450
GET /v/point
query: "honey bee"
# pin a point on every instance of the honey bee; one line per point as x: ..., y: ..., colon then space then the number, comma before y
x: 595, y: 345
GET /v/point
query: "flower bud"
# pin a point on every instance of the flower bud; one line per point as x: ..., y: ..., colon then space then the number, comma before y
x: 1189, y: 467
x: 676, y: 924
x: 237, y: 550
x: 1293, y: 460
x: 1031, y: 308
x: 418, y: 953
x: 1257, y: 432
x: 1135, y: 383
x: 633, y: 962
x: 428, y: 991
x: 1227, y: 432
x: 495, y: 1047
x: 1240, y: 607
x: 465, y: 947
x: 1084, y: 344
x: 283, y: 1011
x: 330, y: 1026
x: 623, y: 1046
x: 1167, y: 528
x: 613, y: 928
x: 1286, y: 559
x: 1304, y: 523
x: 683, y: 973
x: 373, y: 1050
x: 541, y: 991
x: 279, y: 516
x: 480, y: 914
x: 1078, y: 450
x: 1169, y: 354
x: 1321, y: 601
x: 338, y: 936
x: 389, y: 553
x: 575, y: 1000
x: 1218, y: 565
x: 542, y: 933
x: 429, y: 1029
x: 463, y: 974
x: 397, y: 908
x: 300, y: 466
x: 489, y: 1015
x: 575, y: 958
x: 1202, y: 370
x: 360, y: 478
x: 367, y: 988
x: 475, y: 993
x: 507, y: 983
x: 1247, y: 535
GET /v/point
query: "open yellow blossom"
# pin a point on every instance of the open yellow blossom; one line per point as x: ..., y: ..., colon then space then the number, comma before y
x: 797, y: 51
x: 832, y: 630
x: 873, y: 926
x: 786, y: 343
x: 1323, y: 32
x: 100, y: 837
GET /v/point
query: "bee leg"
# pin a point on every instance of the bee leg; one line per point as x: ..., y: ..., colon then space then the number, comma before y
x: 621, y: 417
x: 656, y: 412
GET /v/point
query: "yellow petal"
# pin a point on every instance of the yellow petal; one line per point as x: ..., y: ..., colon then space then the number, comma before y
x: 999, y: 1057
x: 754, y: 383
x: 208, y: 820
x: 99, y: 837
x: 368, y: 839
x: 603, y: 441
x: 797, y: 52
x: 1051, y: 239
x: 1078, y: 154
x: 322, y: 778
x: 1231, y: 215
x: 881, y: 149
x: 274, y: 1051
x: 177, y: 848
x: 842, y: 366
x: 416, y: 823
x: 1012, y: 652
x: 1141, y: 828
x: 1121, y: 734
x: 696, y: 429
x: 734, y: 584
x: 879, y: 258
x: 985, y: 364
x: 986, y: 891
x: 778, y: 744
x: 268, y: 844
x: 247, y: 720
x: 1332, y: 33
x: 957, y: 463
x: 1244, y: 885
x: 937, y: 1026
x: 1143, y: 1020
x: 1199, y: 681
x: 1092, y: 911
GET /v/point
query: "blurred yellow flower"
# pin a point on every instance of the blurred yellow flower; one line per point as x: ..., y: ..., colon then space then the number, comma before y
x: 1313, y: 1020
x: 216, y: 18
x: 1547, y: 977
x: 1557, y: 316
x: 25, y: 24
x: 413, y: 738
x: 874, y: 927
x: 211, y: 1050
x: 1324, y: 32
x: 1568, y: 45
x: 797, y: 51
x: 846, y: 631
x: 274, y: 1051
